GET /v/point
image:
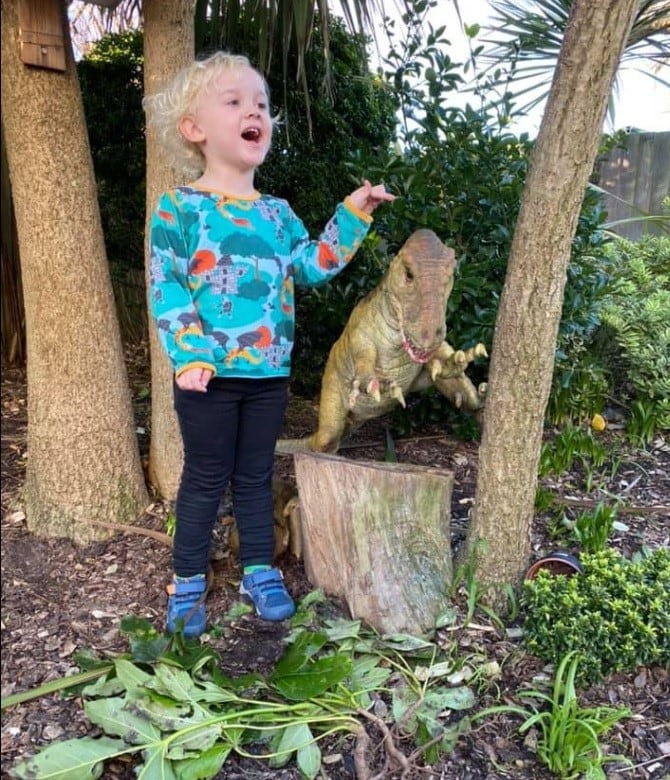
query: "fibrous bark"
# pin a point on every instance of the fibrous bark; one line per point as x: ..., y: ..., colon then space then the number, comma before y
x: 378, y: 536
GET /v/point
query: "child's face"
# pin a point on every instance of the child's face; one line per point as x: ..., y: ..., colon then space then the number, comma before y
x: 232, y: 117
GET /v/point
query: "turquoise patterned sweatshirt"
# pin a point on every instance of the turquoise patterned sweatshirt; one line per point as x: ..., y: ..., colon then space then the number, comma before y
x: 222, y: 277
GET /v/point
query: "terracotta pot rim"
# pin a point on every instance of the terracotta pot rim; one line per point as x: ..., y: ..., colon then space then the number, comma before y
x: 565, y: 560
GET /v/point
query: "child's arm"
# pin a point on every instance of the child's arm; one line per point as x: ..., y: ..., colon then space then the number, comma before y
x: 171, y: 304
x: 317, y: 261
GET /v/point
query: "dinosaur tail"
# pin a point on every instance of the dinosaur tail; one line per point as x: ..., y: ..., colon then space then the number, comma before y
x: 291, y: 446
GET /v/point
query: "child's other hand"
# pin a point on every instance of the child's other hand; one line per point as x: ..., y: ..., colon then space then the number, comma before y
x: 368, y: 197
x: 195, y: 379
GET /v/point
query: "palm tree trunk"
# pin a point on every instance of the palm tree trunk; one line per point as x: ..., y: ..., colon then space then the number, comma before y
x: 168, y: 46
x: 83, y: 458
x: 530, y: 307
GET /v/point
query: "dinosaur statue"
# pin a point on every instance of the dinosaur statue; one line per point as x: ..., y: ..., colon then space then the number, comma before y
x: 392, y: 345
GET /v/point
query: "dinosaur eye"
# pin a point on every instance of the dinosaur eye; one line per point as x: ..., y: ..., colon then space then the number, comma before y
x: 409, y: 275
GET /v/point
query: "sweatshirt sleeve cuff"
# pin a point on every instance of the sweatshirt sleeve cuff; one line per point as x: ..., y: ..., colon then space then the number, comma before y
x: 355, y: 210
x: 189, y: 366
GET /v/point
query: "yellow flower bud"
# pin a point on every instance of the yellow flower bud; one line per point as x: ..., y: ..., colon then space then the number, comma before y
x: 598, y: 423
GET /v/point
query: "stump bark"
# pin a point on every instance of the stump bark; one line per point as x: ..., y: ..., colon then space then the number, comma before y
x: 378, y: 536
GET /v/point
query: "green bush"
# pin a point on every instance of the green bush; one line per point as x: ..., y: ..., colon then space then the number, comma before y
x: 319, y: 131
x: 111, y: 82
x: 635, y: 334
x: 455, y: 171
x: 615, y: 616
x: 458, y: 173
x: 581, y: 382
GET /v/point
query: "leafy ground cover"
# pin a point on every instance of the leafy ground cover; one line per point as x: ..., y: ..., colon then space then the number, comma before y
x: 59, y: 600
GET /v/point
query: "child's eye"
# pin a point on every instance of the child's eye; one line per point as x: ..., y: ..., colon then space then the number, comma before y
x: 263, y: 106
x: 232, y: 102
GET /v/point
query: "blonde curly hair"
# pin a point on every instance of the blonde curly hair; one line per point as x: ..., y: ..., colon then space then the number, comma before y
x: 167, y: 108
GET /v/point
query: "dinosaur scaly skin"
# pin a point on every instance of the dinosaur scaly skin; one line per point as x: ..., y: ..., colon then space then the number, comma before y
x: 393, y: 345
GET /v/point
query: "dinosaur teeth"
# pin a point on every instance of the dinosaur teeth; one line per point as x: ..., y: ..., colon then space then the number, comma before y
x: 416, y: 354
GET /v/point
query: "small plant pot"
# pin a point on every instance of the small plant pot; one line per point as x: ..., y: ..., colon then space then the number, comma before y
x: 556, y: 563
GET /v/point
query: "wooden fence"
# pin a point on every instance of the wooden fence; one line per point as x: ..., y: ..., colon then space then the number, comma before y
x: 638, y: 174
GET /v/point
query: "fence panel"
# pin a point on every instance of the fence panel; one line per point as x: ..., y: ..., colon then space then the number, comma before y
x: 638, y: 174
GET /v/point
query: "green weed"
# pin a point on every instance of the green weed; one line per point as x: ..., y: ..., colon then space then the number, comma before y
x: 569, y: 735
x: 592, y: 529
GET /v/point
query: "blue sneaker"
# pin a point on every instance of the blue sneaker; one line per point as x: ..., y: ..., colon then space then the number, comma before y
x: 186, y: 605
x: 269, y: 596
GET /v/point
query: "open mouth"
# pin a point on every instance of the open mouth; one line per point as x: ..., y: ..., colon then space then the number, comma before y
x: 251, y: 134
x: 416, y: 354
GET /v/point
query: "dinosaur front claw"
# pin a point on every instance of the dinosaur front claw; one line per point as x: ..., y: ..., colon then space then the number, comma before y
x: 396, y: 392
x: 447, y: 371
x: 450, y: 363
x: 373, y: 389
x: 354, y: 393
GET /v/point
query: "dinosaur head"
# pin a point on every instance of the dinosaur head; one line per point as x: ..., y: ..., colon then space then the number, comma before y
x: 419, y: 281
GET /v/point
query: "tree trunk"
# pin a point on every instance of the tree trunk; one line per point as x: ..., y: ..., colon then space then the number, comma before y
x: 530, y: 307
x: 378, y: 536
x: 83, y: 459
x: 168, y: 46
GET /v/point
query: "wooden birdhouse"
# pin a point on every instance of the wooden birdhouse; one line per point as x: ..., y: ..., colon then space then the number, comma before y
x: 42, y: 35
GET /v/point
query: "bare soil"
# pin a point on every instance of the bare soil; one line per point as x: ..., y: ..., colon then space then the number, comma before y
x: 58, y: 599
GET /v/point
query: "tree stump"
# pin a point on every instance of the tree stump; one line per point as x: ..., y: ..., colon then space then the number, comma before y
x: 377, y: 535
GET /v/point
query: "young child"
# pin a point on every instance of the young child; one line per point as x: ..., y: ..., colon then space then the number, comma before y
x: 224, y: 261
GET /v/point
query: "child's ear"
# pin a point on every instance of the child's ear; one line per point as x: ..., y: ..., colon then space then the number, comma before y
x: 190, y: 130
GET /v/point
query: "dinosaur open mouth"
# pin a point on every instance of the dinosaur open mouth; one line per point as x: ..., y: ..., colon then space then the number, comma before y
x: 416, y: 354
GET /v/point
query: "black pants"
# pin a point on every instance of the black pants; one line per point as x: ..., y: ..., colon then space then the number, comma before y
x: 229, y: 435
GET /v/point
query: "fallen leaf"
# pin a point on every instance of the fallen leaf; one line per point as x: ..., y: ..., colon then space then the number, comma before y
x: 98, y: 614
x: 67, y: 649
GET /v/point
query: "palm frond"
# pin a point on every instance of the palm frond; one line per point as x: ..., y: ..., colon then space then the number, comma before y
x: 523, y: 40
x: 286, y: 23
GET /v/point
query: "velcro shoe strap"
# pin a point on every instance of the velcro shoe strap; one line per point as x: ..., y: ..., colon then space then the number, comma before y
x: 267, y: 579
x: 194, y: 588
